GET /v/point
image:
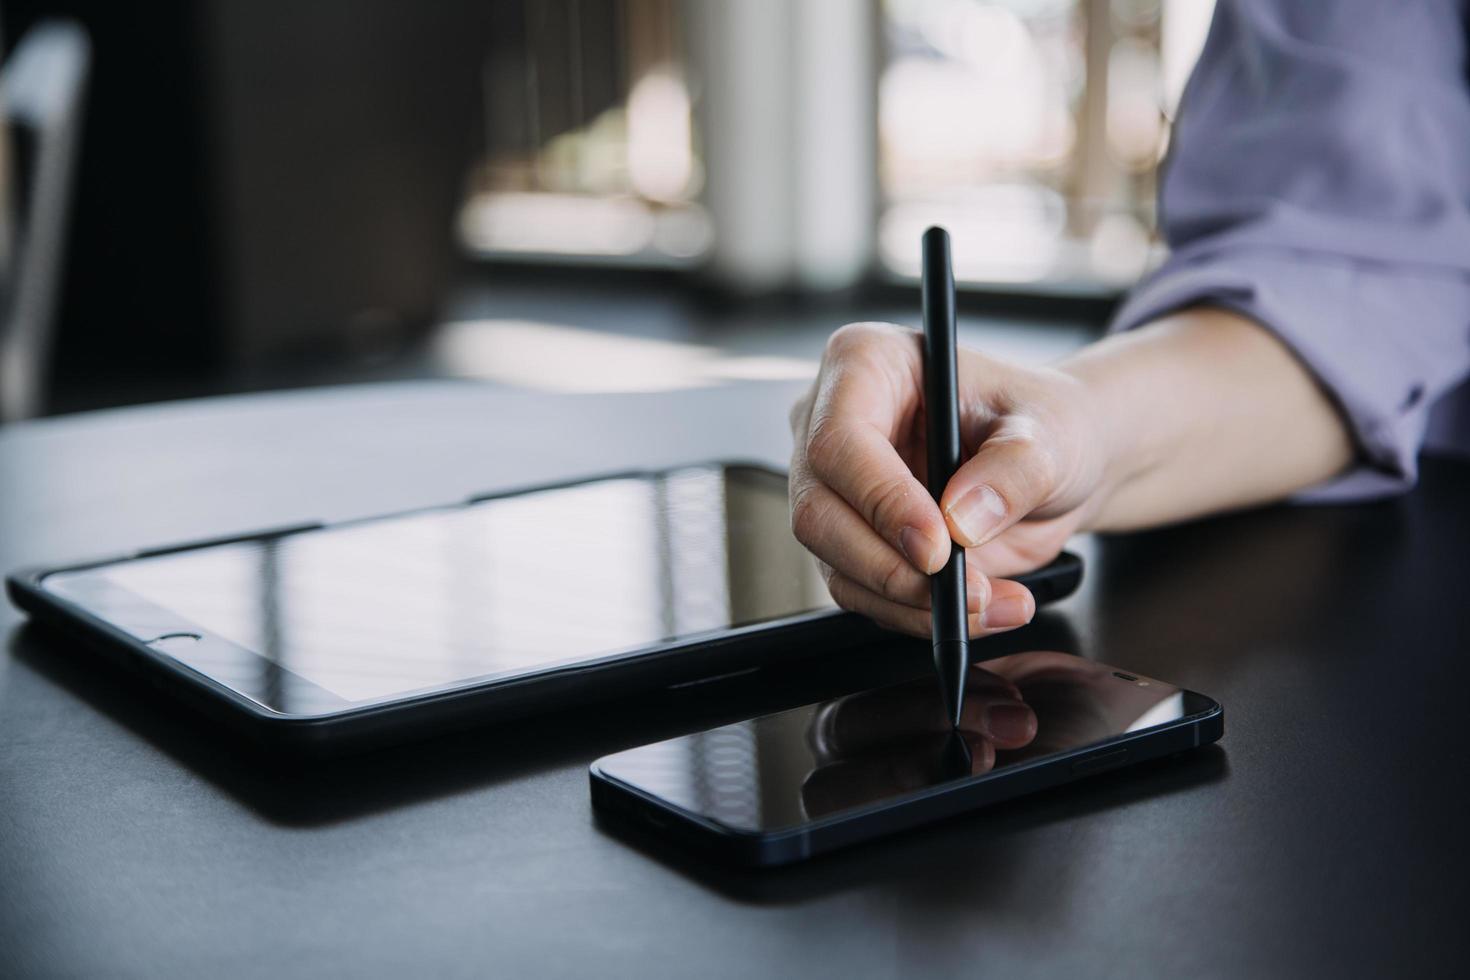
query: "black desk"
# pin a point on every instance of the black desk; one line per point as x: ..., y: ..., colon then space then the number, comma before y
x: 1326, y: 835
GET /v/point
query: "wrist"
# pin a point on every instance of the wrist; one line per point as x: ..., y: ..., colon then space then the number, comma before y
x: 1180, y: 406
x: 1112, y: 396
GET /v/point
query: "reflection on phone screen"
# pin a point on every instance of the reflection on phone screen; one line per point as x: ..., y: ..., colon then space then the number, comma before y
x: 788, y: 768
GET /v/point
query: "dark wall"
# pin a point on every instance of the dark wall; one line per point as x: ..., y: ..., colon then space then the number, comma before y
x: 341, y: 136
x: 137, y: 288
x: 278, y: 182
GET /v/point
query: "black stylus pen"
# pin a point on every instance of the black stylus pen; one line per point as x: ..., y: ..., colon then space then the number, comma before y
x: 950, y: 613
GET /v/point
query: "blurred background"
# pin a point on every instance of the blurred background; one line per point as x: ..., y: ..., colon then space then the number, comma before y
x: 206, y: 196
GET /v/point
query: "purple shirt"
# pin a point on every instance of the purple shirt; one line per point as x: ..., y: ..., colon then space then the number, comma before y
x: 1318, y: 182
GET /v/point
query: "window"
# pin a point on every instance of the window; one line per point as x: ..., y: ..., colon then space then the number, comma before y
x: 590, y: 147
x: 1032, y: 129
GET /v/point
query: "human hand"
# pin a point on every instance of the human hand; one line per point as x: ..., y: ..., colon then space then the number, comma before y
x: 1033, y: 472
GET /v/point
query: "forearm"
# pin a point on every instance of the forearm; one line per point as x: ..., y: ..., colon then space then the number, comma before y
x: 1204, y: 411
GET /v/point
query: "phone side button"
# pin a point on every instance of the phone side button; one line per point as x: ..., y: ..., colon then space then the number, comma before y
x: 1098, y: 763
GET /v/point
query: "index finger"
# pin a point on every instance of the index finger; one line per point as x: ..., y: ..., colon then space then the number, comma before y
x: 868, y: 394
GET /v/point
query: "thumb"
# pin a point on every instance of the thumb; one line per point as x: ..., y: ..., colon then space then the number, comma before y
x: 1011, y: 476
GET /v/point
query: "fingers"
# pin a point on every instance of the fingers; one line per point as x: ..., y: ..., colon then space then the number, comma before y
x: 858, y: 506
x: 863, y: 468
x: 868, y: 393
x: 999, y: 605
x: 1012, y: 475
x: 834, y: 532
x: 838, y: 535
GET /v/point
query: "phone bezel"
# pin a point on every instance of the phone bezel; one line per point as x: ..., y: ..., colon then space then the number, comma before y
x: 618, y: 799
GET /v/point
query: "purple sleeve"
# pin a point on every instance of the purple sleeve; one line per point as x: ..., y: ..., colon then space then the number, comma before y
x: 1319, y: 183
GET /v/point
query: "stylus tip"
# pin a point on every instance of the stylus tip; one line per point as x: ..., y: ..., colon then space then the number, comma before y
x: 952, y: 662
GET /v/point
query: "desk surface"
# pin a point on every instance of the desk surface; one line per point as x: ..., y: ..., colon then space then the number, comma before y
x: 1326, y: 834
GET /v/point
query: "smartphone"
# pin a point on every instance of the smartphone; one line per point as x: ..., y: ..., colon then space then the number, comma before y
x: 324, y: 639
x: 791, y: 785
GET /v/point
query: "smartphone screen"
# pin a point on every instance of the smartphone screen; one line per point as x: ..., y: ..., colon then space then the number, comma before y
x: 380, y: 608
x: 782, y: 770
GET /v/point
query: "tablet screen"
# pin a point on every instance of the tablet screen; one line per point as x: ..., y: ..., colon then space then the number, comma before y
x: 388, y: 606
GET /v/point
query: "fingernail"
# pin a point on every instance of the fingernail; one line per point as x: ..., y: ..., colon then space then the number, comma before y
x: 1006, y: 612
x: 1008, y: 722
x: 918, y: 549
x: 977, y: 514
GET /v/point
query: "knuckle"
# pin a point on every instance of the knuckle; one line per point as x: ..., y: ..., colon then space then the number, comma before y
x: 1034, y: 467
x: 1039, y: 474
x: 1018, y: 437
x: 886, y: 502
x: 892, y: 579
x: 1048, y: 473
x: 824, y: 444
x: 841, y: 594
x: 806, y: 515
x: 796, y: 418
x: 865, y: 339
x: 851, y: 337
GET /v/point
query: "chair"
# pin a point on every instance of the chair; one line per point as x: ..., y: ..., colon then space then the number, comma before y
x: 41, y: 95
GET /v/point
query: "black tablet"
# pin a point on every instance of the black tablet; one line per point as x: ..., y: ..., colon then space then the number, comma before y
x: 330, y: 637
